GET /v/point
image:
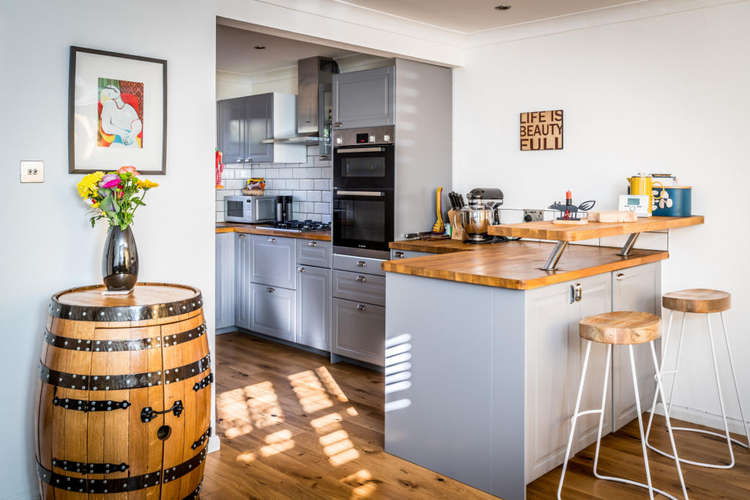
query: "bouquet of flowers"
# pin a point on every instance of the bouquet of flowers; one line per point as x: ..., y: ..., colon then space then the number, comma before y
x: 115, y: 195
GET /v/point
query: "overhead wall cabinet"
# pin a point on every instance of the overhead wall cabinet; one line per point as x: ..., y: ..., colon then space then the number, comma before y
x: 244, y: 123
x: 364, y: 98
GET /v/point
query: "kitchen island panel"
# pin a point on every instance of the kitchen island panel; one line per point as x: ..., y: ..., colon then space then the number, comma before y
x: 454, y: 381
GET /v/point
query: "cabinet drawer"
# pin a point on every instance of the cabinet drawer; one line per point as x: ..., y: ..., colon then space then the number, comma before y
x: 359, y: 331
x: 408, y: 254
x: 314, y: 253
x: 358, y: 264
x: 273, y: 311
x: 274, y: 261
x: 359, y: 287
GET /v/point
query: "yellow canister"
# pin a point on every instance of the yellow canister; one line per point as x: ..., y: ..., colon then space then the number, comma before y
x: 643, y: 184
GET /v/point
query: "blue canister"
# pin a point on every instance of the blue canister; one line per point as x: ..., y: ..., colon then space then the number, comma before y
x: 672, y: 201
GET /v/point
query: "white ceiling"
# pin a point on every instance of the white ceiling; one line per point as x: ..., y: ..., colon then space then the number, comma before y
x: 235, y: 52
x: 470, y: 16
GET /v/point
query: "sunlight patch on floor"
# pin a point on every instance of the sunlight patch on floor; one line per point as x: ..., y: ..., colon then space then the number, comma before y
x: 331, y: 384
x: 277, y: 442
x: 233, y: 413
x: 362, y: 484
x: 263, y: 404
x: 310, y: 392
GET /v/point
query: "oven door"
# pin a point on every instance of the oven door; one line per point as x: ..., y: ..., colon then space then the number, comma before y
x: 368, y: 166
x: 362, y: 221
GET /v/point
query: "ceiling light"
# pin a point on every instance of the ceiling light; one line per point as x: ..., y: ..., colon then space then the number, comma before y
x: 502, y: 7
x: 259, y: 47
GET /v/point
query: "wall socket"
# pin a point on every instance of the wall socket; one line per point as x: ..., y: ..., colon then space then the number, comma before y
x: 530, y: 215
x: 32, y: 171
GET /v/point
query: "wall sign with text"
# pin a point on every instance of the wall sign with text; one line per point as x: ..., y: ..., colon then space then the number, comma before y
x: 542, y: 130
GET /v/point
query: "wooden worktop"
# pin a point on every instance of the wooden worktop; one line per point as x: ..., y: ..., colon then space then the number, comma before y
x: 225, y: 227
x: 546, y: 230
x: 515, y: 264
x: 434, y: 246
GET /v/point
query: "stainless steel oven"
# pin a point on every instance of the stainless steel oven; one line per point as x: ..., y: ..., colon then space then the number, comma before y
x: 363, y: 185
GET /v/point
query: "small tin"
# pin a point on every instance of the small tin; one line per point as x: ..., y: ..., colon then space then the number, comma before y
x: 672, y: 201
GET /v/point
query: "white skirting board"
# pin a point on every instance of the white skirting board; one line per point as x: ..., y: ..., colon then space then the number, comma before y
x: 701, y: 417
x: 214, y: 443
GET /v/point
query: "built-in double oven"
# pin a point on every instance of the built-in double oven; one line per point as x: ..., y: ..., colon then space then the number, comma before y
x: 363, y: 183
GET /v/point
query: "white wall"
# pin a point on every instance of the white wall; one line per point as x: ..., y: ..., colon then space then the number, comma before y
x: 47, y: 242
x: 664, y: 93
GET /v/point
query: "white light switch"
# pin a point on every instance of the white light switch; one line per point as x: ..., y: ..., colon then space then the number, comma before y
x: 32, y: 171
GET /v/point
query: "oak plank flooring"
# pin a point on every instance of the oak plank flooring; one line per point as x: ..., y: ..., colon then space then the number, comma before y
x: 293, y: 426
x: 295, y: 444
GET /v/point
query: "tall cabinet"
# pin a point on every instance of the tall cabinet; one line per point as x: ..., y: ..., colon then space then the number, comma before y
x: 364, y: 98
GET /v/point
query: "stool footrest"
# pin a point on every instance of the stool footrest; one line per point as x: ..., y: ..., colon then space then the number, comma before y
x: 587, y: 412
x: 634, y: 483
x: 692, y: 462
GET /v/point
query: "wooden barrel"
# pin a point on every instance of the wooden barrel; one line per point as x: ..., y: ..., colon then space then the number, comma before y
x: 124, y: 399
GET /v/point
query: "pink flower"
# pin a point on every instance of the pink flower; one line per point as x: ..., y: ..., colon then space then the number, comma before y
x: 110, y: 181
x: 127, y: 169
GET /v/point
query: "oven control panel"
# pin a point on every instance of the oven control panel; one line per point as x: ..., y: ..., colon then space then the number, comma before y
x: 373, y: 135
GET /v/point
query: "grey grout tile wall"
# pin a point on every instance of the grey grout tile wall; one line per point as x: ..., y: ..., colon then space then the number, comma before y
x: 309, y: 183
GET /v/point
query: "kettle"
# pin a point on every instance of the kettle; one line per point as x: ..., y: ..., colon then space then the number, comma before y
x: 642, y: 184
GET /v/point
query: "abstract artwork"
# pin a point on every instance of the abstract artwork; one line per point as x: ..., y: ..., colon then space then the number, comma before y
x: 120, y: 114
x: 117, y: 112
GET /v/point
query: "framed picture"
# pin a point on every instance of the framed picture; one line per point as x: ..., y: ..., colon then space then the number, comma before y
x: 117, y: 112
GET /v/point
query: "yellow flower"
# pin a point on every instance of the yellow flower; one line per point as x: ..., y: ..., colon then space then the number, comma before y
x: 146, y: 184
x: 89, y: 184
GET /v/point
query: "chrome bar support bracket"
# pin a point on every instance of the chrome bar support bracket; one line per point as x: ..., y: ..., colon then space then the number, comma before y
x: 554, y: 258
x: 629, y: 244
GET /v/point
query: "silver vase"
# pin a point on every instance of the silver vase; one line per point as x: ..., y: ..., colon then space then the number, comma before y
x: 120, y: 260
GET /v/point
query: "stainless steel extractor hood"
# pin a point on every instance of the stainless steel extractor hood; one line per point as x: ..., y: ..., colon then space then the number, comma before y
x: 314, y: 103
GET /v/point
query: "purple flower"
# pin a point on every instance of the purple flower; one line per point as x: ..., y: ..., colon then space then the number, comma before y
x: 110, y: 181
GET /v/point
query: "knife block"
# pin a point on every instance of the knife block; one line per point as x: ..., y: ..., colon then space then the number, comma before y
x: 457, y: 230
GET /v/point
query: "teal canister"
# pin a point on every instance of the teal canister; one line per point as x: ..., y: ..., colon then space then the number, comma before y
x: 672, y: 201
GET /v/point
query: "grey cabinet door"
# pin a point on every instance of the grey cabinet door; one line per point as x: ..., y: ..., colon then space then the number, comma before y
x: 314, y: 307
x: 259, y: 119
x: 364, y: 98
x: 367, y: 288
x: 314, y: 253
x: 243, y: 265
x: 634, y: 289
x: 273, y: 311
x: 359, y: 331
x: 225, y: 280
x: 231, y: 129
x: 274, y: 261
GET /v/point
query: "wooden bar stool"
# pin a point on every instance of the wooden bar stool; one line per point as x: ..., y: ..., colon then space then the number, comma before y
x: 706, y: 302
x: 620, y: 328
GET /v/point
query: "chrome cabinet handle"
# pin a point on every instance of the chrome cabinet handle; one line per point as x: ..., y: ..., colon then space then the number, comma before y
x: 620, y: 276
x: 242, y: 236
x: 312, y: 243
x: 576, y: 293
x: 361, y: 307
x: 399, y: 255
x: 272, y: 240
x: 302, y: 269
x: 361, y: 279
x: 362, y: 263
x: 271, y: 290
x: 338, y: 124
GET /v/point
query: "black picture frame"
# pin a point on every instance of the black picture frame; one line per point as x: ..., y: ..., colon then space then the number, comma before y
x: 74, y: 50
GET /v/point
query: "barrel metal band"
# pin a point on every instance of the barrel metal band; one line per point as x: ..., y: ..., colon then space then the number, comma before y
x: 86, y: 406
x: 86, y: 468
x: 119, y: 485
x: 194, y: 494
x: 205, y: 382
x: 122, y: 345
x: 124, y: 313
x: 123, y: 382
x: 202, y: 439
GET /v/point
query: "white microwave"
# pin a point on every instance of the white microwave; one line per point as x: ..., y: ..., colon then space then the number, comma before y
x: 249, y: 209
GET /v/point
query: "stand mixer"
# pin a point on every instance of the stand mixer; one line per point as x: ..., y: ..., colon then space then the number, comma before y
x: 482, y: 212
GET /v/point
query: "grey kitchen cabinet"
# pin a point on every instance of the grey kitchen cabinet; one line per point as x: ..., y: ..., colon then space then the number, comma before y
x: 225, y: 265
x: 313, y: 307
x: 314, y: 253
x: 231, y: 129
x: 553, y: 371
x: 273, y: 311
x: 274, y: 261
x: 634, y: 289
x: 244, y: 123
x: 243, y: 258
x: 358, y: 331
x: 367, y: 288
x: 364, y: 98
x: 408, y: 254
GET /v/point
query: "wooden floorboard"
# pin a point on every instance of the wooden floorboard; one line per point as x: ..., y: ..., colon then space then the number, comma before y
x: 293, y: 426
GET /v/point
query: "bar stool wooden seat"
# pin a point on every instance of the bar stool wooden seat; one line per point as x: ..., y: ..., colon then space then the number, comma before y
x: 620, y: 328
x: 699, y: 301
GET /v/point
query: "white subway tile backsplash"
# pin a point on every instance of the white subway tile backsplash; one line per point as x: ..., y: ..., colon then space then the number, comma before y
x: 311, y: 195
x: 322, y: 208
x: 322, y: 184
x: 228, y: 173
x: 306, y: 184
x: 219, y: 216
x: 292, y: 183
x: 307, y: 206
x: 326, y: 173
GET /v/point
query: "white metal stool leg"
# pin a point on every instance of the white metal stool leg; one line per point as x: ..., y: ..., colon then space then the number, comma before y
x: 734, y: 379
x: 726, y: 435
x: 600, y: 411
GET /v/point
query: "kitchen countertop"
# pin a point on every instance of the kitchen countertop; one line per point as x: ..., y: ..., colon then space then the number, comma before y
x: 512, y: 264
x: 226, y: 227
